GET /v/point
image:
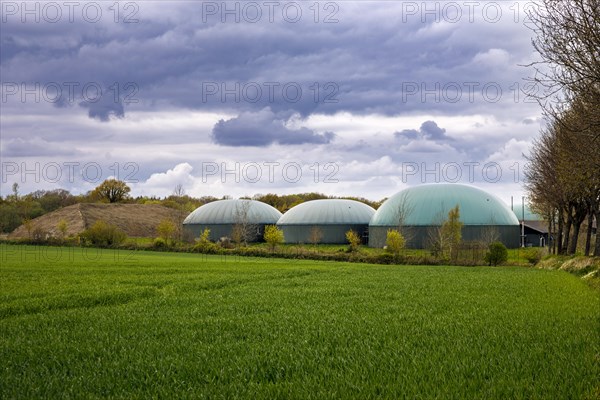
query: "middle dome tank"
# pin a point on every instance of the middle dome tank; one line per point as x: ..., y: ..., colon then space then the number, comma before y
x: 327, y: 220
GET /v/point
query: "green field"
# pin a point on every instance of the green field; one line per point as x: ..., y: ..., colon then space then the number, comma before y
x: 100, y: 323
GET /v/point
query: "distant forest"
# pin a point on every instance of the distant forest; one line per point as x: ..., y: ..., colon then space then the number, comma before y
x: 16, y: 209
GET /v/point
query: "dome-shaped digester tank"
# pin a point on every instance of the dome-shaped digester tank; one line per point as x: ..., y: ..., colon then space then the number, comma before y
x: 325, y: 221
x: 422, y: 209
x: 223, y: 216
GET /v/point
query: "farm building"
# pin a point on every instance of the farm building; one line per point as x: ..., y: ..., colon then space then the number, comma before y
x: 226, y: 217
x: 535, y: 228
x: 420, y: 210
x: 325, y: 221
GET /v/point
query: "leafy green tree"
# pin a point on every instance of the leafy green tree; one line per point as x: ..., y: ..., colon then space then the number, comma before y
x: 50, y: 200
x: 112, y: 190
x: 15, y: 190
x: 273, y: 236
x: 452, y: 231
x: 9, y: 217
x: 166, y: 231
x: 497, y: 254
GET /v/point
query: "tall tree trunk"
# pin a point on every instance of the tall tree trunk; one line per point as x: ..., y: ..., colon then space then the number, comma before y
x: 588, y: 233
x: 559, y: 233
x: 567, y: 234
x: 549, y: 235
x: 573, y: 243
x: 597, y: 246
x: 578, y: 217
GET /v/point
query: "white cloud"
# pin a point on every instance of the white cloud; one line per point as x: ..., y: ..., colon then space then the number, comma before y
x: 163, y: 184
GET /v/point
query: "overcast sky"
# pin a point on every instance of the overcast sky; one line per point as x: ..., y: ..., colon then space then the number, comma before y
x: 358, y: 98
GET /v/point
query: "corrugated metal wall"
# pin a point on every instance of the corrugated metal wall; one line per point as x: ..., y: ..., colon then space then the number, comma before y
x: 218, y: 231
x: 331, y: 234
x: 510, y: 235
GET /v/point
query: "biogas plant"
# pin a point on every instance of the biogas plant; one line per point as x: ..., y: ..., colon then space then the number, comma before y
x: 417, y: 210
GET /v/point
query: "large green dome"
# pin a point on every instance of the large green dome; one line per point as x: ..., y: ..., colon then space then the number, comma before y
x: 428, y: 205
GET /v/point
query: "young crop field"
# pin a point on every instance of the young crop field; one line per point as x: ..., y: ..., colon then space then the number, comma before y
x: 103, y: 323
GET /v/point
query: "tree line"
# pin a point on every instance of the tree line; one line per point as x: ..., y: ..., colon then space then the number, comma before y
x: 17, y: 209
x: 563, y: 177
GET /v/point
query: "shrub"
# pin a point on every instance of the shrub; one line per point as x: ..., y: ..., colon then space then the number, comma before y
x: 533, y: 256
x: 103, y: 235
x: 160, y: 244
x: 225, y: 243
x: 394, y: 242
x: 204, y: 245
x: 354, y: 240
x: 166, y: 231
x: 497, y: 254
x: 38, y: 235
x: 273, y: 236
x: 61, y: 227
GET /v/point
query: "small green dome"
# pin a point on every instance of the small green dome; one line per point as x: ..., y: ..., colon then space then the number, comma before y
x: 428, y: 205
x: 328, y: 212
x: 229, y: 211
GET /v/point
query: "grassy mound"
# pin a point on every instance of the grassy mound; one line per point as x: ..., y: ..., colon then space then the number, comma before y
x: 586, y: 267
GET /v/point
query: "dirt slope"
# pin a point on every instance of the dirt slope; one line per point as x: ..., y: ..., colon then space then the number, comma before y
x: 136, y: 220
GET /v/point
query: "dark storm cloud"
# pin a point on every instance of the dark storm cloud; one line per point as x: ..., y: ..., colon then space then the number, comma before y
x: 262, y: 129
x: 104, y: 107
x: 431, y: 130
x: 372, y: 60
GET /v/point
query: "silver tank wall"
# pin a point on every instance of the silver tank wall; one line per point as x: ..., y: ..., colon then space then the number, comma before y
x: 332, y: 234
x: 217, y: 231
x: 510, y: 235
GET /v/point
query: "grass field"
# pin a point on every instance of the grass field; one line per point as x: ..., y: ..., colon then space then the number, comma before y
x: 100, y: 323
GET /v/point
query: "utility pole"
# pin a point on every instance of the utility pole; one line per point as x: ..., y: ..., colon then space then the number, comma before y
x: 523, y: 221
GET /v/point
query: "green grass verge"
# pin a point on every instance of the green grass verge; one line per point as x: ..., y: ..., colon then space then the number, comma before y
x: 321, y: 252
x: 103, y: 323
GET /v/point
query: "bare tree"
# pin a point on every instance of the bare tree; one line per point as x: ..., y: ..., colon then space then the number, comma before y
x: 563, y: 178
x: 315, y: 235
x: 568, y: 42
x: 490, y: 233
x: 179, y: 191
x: 244, y: 230
x: 402, y: 213
x: 436, y: 242
x: 444, y: 238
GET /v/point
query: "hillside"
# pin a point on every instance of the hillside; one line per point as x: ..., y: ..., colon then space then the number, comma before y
x: 136, y: 220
